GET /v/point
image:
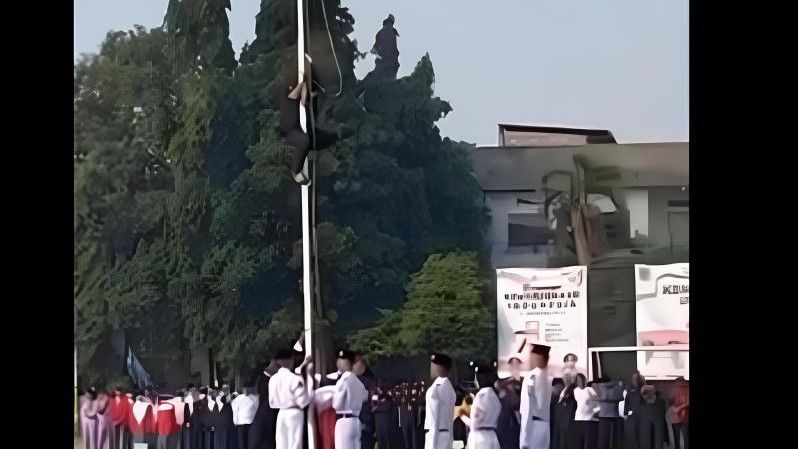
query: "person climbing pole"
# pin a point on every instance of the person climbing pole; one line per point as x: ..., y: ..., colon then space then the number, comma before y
x: 325, y: 129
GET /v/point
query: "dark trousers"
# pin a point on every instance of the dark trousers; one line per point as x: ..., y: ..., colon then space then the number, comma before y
x: 167, y: 442
x: 631, y: 434
x: 610, y: 433
x: 242, y: 432
x: 262, y: 430
x: 382, y: 423
x: 583, y: 435
x: 652, y: 434
x: 366, y: 435
x: 326, y: 132
x: 559, y: 433
x: 679, y: 429
x: 409, y: 429
x: 123, y: 438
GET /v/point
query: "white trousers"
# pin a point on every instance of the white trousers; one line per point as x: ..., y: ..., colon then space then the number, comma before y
x: 438, y: 440
x: 347, y: 433
x: 290, y: 428
x: 537, y: 437
x: 483, y: 439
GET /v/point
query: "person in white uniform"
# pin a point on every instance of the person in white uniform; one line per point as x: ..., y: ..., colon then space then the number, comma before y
x: 244, y: 406
x: 348, y: 399
x: 289, y: 394
x: 536, y: 401
x: 485, y: 410
x: 440, y: 400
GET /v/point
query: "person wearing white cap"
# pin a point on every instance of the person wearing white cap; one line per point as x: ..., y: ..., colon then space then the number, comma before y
x: 348, y: 399
x: 536, y: 401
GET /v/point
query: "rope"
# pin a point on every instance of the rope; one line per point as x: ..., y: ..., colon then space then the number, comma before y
x: 335, y: 56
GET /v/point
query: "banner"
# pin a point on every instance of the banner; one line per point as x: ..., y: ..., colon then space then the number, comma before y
x: 546, y: 306
x: 662, y: 317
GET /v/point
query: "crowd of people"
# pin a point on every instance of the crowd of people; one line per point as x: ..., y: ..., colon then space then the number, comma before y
x: 354, y: 410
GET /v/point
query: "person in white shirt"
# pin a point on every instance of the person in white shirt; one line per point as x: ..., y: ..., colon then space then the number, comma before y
x: 348, y: 398
x: 584, y: 430
x: 536, y: 401
x: 485, y: 410
x: 244, y: 406
x: 288, y: 392
x: 440, y: 400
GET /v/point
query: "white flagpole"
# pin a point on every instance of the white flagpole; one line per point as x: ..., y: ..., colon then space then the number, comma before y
x: 306, y: 263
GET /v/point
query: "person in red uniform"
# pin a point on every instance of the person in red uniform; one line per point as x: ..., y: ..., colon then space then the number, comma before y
x: 166, y: 425
x: 120, y: 406
x: 141, y: 419
x: 679, y: 411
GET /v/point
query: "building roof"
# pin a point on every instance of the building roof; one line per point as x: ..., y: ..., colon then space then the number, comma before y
x: 640, y: 164
x: 550, y: 136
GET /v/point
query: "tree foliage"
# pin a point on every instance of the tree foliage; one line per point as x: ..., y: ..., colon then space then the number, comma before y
x: 187, y: 219
x: 447, y: 309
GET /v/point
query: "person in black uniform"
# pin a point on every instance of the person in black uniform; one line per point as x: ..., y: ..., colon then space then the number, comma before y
x: 396, y: 438
x: 631, y: 403
x: 382, y: 408
x: 562, y: 415
x: 366, y: 376
x: 610, y: 431
x: 407, y: 417
x: 263, y: 428
x: 326, y: 132
x: 651, y: 420
x: 508, y: 428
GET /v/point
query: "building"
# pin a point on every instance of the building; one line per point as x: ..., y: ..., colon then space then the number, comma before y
x: 533, y: 177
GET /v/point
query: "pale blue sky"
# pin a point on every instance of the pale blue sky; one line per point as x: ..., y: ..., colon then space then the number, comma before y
x: 615, y: 64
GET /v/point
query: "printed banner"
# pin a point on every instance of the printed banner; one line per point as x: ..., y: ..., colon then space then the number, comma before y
x: 546, y: 306
x: 662, y: 318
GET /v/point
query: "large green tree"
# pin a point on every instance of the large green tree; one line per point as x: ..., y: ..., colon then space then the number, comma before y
x: 448, y: 309
x: 187, y: 220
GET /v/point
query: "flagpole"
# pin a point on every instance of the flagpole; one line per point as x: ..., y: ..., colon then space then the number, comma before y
x: 307, y: 291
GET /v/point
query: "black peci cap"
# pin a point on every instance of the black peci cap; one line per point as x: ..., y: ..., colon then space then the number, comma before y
x: 441, y: 360
x: 283, y: 354
x: 346, y: 354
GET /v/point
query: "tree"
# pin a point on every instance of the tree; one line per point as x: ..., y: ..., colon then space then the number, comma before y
x: 123, y: 109
x: 447, y: 309
x: 187, y: 219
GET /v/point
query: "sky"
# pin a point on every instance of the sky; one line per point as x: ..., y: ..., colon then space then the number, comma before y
x: 620, y: 65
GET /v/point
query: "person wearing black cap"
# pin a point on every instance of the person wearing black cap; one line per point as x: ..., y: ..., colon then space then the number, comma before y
x: 486, y: 409
x: 536, y: 401
x: 289, y: 394
x: 348, y: 399
x: 440, y: 401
